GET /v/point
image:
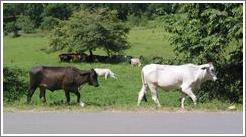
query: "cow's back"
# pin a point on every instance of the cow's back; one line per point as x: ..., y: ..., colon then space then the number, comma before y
x: 166, y: 76
x: 51, y: 77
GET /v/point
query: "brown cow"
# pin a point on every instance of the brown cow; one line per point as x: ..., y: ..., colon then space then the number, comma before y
x: 54, y: 78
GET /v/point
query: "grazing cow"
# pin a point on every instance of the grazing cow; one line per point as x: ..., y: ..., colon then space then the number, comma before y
x: 74, y: 57
x: 105, y: 72
x: 65, y: 57
x: 135, y: 61
x: 54, y: 78
x: 187, y: 77
x: 83, y: 56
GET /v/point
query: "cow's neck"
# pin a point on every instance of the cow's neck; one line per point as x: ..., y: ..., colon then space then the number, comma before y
x: 200, y: 78
x: 85, y: 79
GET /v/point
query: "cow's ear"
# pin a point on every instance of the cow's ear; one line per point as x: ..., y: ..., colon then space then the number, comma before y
x: 204, y: 68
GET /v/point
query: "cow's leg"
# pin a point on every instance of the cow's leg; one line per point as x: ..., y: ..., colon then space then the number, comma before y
x: 142, y: 94
x: 30, y: 93
x: 106, y: 75
x: 67, y: 94
x: 189, y: 92
x: 154, y: 94
x: 182, y: 100
x: 78, y: 96
x: 42, y: 94
x: 78, y: 99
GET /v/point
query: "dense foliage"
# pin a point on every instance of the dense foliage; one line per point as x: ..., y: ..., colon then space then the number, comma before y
x: 212, y: 32
x: 14, y: 83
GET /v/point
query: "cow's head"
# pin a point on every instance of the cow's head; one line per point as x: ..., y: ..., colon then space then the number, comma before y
x: 210, y: 71
x: 93, y: 78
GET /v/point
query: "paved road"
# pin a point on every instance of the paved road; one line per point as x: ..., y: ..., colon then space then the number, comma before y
x: 122, y: 123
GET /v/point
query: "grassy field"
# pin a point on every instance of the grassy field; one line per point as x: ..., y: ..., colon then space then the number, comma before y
x: 26, y: 52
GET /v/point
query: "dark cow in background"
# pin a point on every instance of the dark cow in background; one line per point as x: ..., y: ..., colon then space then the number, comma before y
x: 54, y: 78
x: 74, y: 57
x: 65, y: 57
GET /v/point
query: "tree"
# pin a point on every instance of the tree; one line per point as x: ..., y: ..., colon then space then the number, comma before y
x: 25, y: 24
x: 212, y: 32
x: 61, y: 11
x: 11, y: 27
x: 34, y: 12
x: 49, y: 23
x: 88, y: 30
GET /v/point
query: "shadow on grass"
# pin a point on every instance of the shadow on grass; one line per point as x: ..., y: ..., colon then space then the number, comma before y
x: 63, y: 103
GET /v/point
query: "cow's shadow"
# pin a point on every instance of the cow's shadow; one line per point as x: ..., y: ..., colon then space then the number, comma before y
x: 72, y: 103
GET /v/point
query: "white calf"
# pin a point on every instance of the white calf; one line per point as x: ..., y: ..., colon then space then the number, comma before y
x: 105, y: 72
x: 135, y: 61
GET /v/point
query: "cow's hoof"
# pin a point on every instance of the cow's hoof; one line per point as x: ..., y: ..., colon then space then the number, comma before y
x: 158, y: 106
x: 182, y: 110
x: 82, y: 104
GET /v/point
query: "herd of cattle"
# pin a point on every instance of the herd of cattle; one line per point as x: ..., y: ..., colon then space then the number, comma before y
x: 187, y: 77
x: 73, y: 57
x: 83, y: 57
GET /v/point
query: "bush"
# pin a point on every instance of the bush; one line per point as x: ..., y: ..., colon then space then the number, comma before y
x: 25, y: 24
x: 49, y: 23
x: 14, y: 84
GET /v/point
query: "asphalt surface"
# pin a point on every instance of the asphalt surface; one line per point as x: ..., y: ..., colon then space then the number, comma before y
x: 123, y: 123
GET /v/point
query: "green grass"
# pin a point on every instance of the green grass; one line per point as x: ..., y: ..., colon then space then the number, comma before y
x: 116, y: 95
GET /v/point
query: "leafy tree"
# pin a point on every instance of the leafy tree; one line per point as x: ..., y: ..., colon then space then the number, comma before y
x: 34, y: 12
x: 212, y: 32
x: 11, y: 27
x: 157, y: 9
x: 88, y: 30
x: 49, y: 23
x: 25, y: 24
x: 61, y: 11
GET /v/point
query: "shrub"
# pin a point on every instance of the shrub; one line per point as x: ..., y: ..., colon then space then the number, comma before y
x: 14, y: 84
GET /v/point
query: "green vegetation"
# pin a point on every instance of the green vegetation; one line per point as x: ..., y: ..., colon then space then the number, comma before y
x: 212, y: 33
x: 165, y: 33
x: 117, y: 95
x: 88, y: 30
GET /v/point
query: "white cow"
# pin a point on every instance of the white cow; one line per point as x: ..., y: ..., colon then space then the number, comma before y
x: 105, y: 72
x: 185, y: 77
x: 135, y: 61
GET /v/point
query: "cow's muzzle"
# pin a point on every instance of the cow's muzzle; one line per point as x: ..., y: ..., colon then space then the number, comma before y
x: 214, y: 78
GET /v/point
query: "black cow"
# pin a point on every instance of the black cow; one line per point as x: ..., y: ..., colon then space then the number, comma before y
x: 65, y: 57
x: 54, y: 78
x: 74, y: 57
